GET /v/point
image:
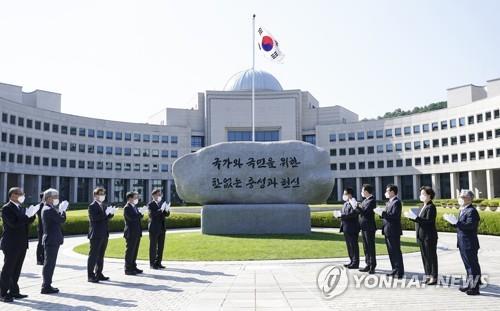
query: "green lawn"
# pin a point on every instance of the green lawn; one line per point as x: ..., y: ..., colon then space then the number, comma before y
x: 196, y: 246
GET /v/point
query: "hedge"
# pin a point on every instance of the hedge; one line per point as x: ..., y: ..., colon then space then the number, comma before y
x: 489, y: 223
x: 80, y: 224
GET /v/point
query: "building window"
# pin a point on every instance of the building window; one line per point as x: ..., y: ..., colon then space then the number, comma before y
x: 369, y: 135
x: 72, y: 131
x: 435, y: 126
x: 352, y: 165
x: 380, y: 164
x: 470, y: 120
x: 388, y: 133
x: 197, y: 141
x: 351, y: 136
x: 425, y: 128
x: 173, y: 139
x: 371, y: 165
x: 496, y: 113
x: 333, y: 166
x: 444, y: 125
x: 361, y: 135
x: 397, y: 131
x: 435, y: 143
x: 435, y: 159
x: 461, y: 122
x: 247, y: 136
x: 407, y: 130
x: 479, y: 118
x: 418, y: 161
x: 342, y: 152
x: 146, y: 138
x: 164, y: 153
x: 55, y: 128
x: 416, y: 145
x: 361, y: 165
x: 399, y: 147
x: 463, y: 157
x: 427, y: 144
x: 427, y: 160
x: 109, y: 135
x: 173, y: 154
x: 444, y: 142
x: 399, y: 163
x: 388, y: 148
x: 352, y: 151
x: 453, y: 123
x: 128, y: 136
x: 380, y: 133
x: 390, y: 163
x: 371, y: 149
x: 82, y: 132
x: 361, y: 150
x: 472, y: 138
x: 416, y: 129
x: 343, y: 166
x: 118, y: 136
x: 333, y: 138
x: 333, y: 152
x: 46, y: 127
x: 164, y: 139
x: 137, y: 137
x: 380, y: 148
x: 446, y: 159
x: 342, y: 137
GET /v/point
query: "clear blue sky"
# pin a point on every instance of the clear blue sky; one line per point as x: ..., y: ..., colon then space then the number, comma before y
x: 124, y: 60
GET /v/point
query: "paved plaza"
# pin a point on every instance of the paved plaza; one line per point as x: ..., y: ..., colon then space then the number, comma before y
x: 257, y: 285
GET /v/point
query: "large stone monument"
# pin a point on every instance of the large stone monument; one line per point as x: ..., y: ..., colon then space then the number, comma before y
x: 255, y: 187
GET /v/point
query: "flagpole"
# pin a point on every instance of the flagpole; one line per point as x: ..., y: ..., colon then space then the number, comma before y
x: 253, y: 78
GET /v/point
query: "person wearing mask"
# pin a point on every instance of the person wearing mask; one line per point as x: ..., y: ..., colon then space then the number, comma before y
x: 350, y: 227
x: 52, y: 218
x: 391, y: 229
x: 14, y: 243
x: 427, y: 236
x: 132, y: 232
x: 368, y: 227
x: 157, y: 228
x: 99, y: 216
x: 468, y: 242
x: 39, y: 246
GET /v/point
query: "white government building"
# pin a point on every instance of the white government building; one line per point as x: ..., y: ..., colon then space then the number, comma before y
x: 449, y: 149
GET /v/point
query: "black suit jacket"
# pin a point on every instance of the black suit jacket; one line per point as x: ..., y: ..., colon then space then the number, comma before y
x: 466, y: 226
x: 15, y: 227
x: 349, y: 219
x: 156, y: 218
x: 391, y: 218
x: 366, y: 214
x: 425, y: 223
x: 52, y: 222
x: 132, y: 221
x: 98, y: 221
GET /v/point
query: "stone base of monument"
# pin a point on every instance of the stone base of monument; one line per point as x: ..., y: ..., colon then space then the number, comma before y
x: 256, y: 219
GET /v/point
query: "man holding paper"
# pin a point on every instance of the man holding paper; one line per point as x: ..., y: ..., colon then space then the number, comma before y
x: 99, y: 216
x: 368, y: 227
x: 53, y: 238
x: 157, y: 213
x: 467, y: 241
x: 391, y: 229
x: 427, y: 236
x: 132, y: 232
x: 350, y: 227
x: 14, y: 243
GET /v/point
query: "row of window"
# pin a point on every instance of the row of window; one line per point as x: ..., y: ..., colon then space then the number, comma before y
x: 247, y: 135
x: 416, y: 145
x: 84, y: 132
x: 415, y: 129
x: 81, y: 164
x: 83, y: 148
x: 444, y: 159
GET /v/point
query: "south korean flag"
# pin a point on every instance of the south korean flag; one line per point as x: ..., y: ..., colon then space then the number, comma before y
x: 269, y: 46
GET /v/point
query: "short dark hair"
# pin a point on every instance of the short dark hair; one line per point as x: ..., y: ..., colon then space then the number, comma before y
x: 429, y: 191
x: 368, y: 188
x: 131, y: 194
x: 15, y: 190
x: 392, y: 188
x: 99, y: 190
x: 41, y: 195
x: 156, y: 191
x: 348, y: 190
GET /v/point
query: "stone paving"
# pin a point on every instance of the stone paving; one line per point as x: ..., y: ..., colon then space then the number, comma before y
x: 249, y: 285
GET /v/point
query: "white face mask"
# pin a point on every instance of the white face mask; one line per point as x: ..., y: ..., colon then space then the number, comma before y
x: 423, y: 198
x: 135, y: 201
x: 461, y: 202
x: 362, y: 194
x: 101, y: 198
x: 344, y: 197
x: 387, y: 195
x: 21, y: 199
x: 55, y: 202
x: 158, y: 199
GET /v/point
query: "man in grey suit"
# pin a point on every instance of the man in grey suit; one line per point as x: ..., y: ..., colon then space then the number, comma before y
x: 52, y: 219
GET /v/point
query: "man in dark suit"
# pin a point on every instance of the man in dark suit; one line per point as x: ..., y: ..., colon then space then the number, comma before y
x: 368, y: 227
x: 391, y: 229
x: 14, y: 243
x: 425, y: 228
x: 39, y: 246
x: 350, y: 226
x: 132, y: 232
x: 156, y: 228
x: 98, y: 235
x: 468, y: 243
x: 53, y: 238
